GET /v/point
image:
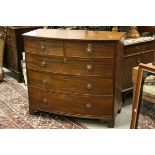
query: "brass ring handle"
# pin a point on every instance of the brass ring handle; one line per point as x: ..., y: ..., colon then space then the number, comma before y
x: 45, y: 100
x: 44, y: 82
x: 137, y: 47
x: 42, y: 45
x: 89, y: 86
x: 138, y: 60
x: 65, y: 60
x: 88, y: 106
x: 89, y: 49
x: 89, y: 67
x: 43, y: 63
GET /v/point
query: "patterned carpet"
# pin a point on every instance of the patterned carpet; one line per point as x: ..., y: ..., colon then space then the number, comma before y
x: 147, y: 116
x: 14, y: 111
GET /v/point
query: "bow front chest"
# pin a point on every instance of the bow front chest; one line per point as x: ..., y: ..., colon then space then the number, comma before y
x: 74, y: 72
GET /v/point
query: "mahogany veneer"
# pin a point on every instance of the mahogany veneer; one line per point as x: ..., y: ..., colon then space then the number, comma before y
x: 75, y: 73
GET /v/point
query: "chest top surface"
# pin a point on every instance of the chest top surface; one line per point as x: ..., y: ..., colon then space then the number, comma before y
x: 75, y: 34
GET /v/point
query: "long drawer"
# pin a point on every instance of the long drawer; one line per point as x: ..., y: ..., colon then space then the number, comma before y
x: 89, y: 49
x: 69, y: 83
x: 102, y: 67
x: 46, y: 47
x: 70, y: 104
x: 139, y: 48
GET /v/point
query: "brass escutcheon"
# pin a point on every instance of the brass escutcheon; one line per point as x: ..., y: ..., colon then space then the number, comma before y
x: 89, y: 49
x: 45, y: 100
x: 42, y: 45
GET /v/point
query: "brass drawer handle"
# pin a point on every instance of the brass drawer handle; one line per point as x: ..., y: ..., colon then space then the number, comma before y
x: 89, y: 86
x: 137, y: 47
x: 89, y: 49
x: 89, y: 67
x: 45, y: 100
x: 43, y: 63
x: 44, y: 82
x: 42, y: 45
x: 88, y: 106
x: 138, y: 60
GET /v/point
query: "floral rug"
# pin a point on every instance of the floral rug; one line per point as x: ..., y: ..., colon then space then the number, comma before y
x: 14, y: 111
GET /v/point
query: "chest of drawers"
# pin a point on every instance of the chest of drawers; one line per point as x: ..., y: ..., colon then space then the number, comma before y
x: 74, y: 73
x: 14, y: 48
x: 134, y: 54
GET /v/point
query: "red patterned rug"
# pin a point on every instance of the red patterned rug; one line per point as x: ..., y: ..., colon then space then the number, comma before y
x: 14, y: 111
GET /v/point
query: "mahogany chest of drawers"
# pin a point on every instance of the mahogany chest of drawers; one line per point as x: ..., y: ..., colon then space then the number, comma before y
x: 14, y: 48
x: 142, y: 52
x: 74, y: 72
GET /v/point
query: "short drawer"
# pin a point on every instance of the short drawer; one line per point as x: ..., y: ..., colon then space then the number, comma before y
x: 98, y: 106
x: 102, y: 67
x: 89, y: 49
x: 69, y: 83
x: 10, y: 57
x: 11, y: 38
x: 42, y: 46
x: 139, y: 48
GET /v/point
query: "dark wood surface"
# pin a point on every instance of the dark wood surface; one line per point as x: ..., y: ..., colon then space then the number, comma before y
x: 133, y: 55
x: 87, y: 67
x: 71, y: 83
x: 74, y: 73
x: 72, y: 105
x: 14, y: 48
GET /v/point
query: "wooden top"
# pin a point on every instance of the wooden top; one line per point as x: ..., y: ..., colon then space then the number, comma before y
x: 75, y: 34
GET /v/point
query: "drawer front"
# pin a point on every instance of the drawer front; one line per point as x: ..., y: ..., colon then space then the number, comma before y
x: 46, y: 47
x: 102, y: 67
x: 11, y: 38
x: 89, y: 49
x: 70, y: 104
x: 10, y: 58
x: 73, y: 84
x: 139, y: 48
x: 131, y: 62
